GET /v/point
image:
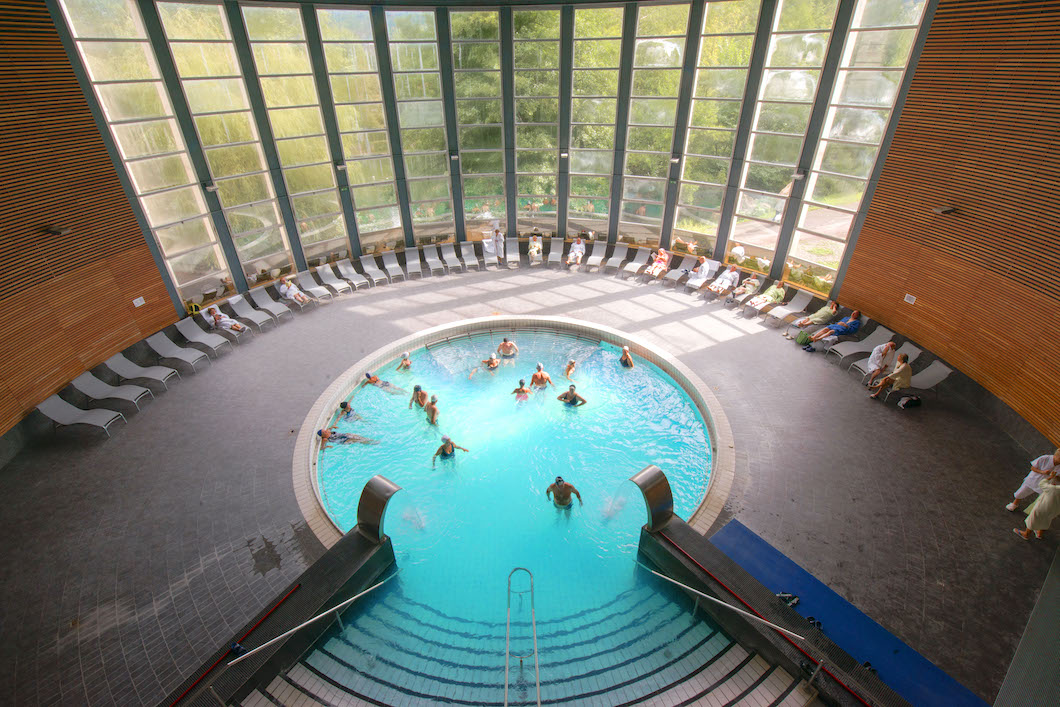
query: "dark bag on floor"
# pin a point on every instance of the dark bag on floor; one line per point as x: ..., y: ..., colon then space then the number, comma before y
x: 909, y: 401
x: 802, y: 339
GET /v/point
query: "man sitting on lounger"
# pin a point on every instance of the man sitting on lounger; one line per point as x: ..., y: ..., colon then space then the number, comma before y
x: 727, y: 279
x: 330, y: 436
x: 577, y: 252
x: 289, y: 290
x: 389, y: 387
x: 698, y: 277
x: 901, y: 377
x: 879, y: 361
x: 773, y: 294
x: 219, y: 320
x: 822, y: 316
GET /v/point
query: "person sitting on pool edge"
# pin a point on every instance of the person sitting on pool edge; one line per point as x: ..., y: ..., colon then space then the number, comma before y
x: 447, y: 450
x: 540, y: 379
x: 346, y: 412
x: 572, y: 398
x: 627, y: 358
x: 559, y: 492
x: 378, y: 382
x: 405, y: 363
x: 492, y: 364
x: 330, y: 435
x: 431, y: 409
x: 522, y: 392
x: 508, y: 350
x: 419, y: 396
x: 571, y: 364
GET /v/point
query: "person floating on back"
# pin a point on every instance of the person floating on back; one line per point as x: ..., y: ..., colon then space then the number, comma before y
x: 560, y: 494
x: 571, y: 398
x: 627, y: 358
x: 330, y: 436
x: 492, y: 364
x: 447, y: 450
x: 378, y: 382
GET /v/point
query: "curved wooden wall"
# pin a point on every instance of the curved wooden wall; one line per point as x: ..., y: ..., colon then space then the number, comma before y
x: 65, y: 301
x: 980, y: 131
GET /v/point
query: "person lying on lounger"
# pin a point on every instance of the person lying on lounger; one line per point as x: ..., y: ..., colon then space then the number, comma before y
x: 289, y: 290
x: 847, y: 327
x: 727, y: 279
x: 219, y: 320
x: 659, y: 265
x: 577, y: 252
x: 822, y: 316
x: 773, y: 294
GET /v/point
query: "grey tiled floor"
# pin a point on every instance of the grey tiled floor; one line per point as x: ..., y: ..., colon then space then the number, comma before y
x: 130, y: 560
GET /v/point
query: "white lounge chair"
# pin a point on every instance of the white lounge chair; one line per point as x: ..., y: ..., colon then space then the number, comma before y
x: 797, y: 304
x: 555, y: 252
x: 678, y: 271
x: 618, y: 257
x: 63, y: 413
x: 229, y: 334
x: 927, y: 379
x: 586, y: 257
x: 372, y: 271
x: 757, y: 309
x: 511, y: 252
x: 433, y: 261
x: 247, y: 314
x: 307, y: 284
x: 391, y: 266
x: 264, y: 301
x: 711, y: 271
x: 327, y: 278
x: 594, y: 259
x: 98, y: 390
x: 862, y: 364
x: 450, y: 258
x: 413, y: 264
x: 195, y: 335
x: 865, y: 346
x: 165, y: 348
x: 131, y: 371
x: 348, y: 273
x: 639, y: 262
x: 467, y: 250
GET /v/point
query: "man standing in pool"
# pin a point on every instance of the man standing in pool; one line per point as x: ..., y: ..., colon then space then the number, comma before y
x: 560, y: 492
x: 431, y: 409
x: 447, y: 450
x: 508, y: 351
x: 540, y: 379
x: 572, y: 398
x: 419, y: 396
x: 369, y: 379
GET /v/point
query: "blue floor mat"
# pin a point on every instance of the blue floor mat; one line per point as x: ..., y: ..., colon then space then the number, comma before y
x: 904, y: 670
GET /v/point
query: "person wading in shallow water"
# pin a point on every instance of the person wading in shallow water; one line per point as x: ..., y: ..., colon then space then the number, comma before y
x: 560, y: 493
x: 447, y: 450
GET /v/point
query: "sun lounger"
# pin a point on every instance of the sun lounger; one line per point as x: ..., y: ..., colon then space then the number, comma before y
x: 618, y: 256
x: 195, y: 335
x: 96, y: 389
x: 327, y: 278
x: 413, y: 263
x: 165, y: 348
x: 433, y: 262
x: 392, y: 267
x: 586, y: 257
x: 757, y: 309
x: 555, y: 252
x: 372, y: 271
x: 450, y: 258
x: 348, y: 273
x: 128, y: 370
x: 863, y: 347
x: 927, y: 379
x: 230, y: 334
x: 247, y: 314
x: 260, y: 296
x: 467, y: 250
x: 307, y: 284
x: 511, y: 253
x: 594, y: 255
x: 681, y: 270
x: 63, y: 413
x: 862, y: 365
x: 797, y: 304
x: 639, y: 262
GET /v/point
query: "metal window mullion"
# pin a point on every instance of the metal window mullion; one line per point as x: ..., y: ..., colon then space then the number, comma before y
x: 186, y: 123
x: 445, y: 70
x: 625, y: 85
x: 826, y: 83
x: 566, y: 81
x: 259, y: 111
x: 755, y: 71
x: 508, y: 115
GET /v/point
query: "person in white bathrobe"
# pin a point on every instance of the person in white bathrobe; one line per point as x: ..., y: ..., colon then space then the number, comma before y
x: 577, y: 252
x: 220, y: 320
x: 880, y: 361
x: 289, y: 290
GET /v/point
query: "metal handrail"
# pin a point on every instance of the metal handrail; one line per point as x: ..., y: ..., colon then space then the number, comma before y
x: 333, y: 610
x: 508, y: 633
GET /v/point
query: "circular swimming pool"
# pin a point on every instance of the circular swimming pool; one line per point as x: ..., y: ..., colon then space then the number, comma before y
x: 460, y: 525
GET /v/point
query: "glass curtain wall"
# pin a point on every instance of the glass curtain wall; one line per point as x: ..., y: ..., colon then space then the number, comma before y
x: 658, y: 53
x: 202, y: 48
x: 477, y: 81
x: 536, y: 63
x: 594, y: 87
x: 797, y: 48
x: 721, y: 77
x: 875, y: 57
x: 418, y: 89
x: 121, y: 65
x: 281, y: 56
x: 349, y: 53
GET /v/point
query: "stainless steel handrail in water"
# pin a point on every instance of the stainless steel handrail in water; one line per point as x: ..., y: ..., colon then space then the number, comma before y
x: 508, y: 635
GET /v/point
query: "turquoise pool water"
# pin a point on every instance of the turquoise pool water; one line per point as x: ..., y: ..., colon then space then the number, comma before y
x: 459, y: 529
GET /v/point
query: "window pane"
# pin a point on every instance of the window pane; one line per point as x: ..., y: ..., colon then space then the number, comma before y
x: 365, y: 144
x: 426, y: 165
x: 318, y: 230
x: 474, y: 25
x: 311, y: 205
x: 344, y: 24
x: 889, y: 49
x: 593, y: 110
x: 368, y: 197
x: 253, y: 217
x: 793, y: 50
x: 715, y: 114
x: 855, y: 160
x: 651, y: 139
x: 378, y: 219
x: 409, y: 25
x: 776, y: 180
x: 235, y: 160
x: 273, y: 23
x: 869, y: 88
x: 709, y: 197
x: 306, y: 150
x: 720, y: 83
x: 595, y: 83
x: 194, y: 265
x: 355, y: 88
x: 835, y: 191
x: 408, y: 86
x: 656, y: 82
x: 225, y: 128
x: 634, y: 212
x: 295, y: 122
x: 368, y: 116
x: 598, y: 22
x: 658, y: 52
x: 349, y: 57
x: 185, y: 236
x: 887, y: 13
x: 590, y: 186
x: 426, y: 139
x: 420, y: 114
x: 783, y: 118
x: 368, y: 171
x: 536, y: 136
x: 200, y: 59
x: 536, y: 83
x: 483, y: 186
x: 216, y: 95
x: 171, y: 206
x: 536, y: 55
x: 161, y: 173
x: 761, y: 206
x: 536, y: 110
x: 600, y: 137
x: 288, y: 91
x: 644, y: 189
x: 778, y: 149
x: 426, y: 189
x: 829, y: 222
x: 598, y: 53
x: 536, y: 161
x: 696, y: 221
x: 143, y: 139
x: 118, y: 61
x: 488, y: 111
x: 652, y: 111
x: 857, y: 124
x: 789, y: 85
x: 735, y: 16
x: 469, y: 84
x: 540, y: 184
x: 476, y: 56
x: 647, y: 164
x: 134, y: 100
x: 591, y: 161
x: 282, y: 59
x: 303, y: 179
x: 117, y: 19
x: 480, y: 138
x: 243, y: 190
x: 482, y: 162
x: 535, y: 24
x: 715, y: 143
x: 806, y: 14
x: 413, y: 57
x: 705, y: 169
x: 662, y: 20
x: 725, y: 51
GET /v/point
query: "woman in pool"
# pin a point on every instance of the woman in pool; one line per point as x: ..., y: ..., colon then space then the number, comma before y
x: 572, y: 398
x: 346, y: 412
x: 569, y: 369
x: 627, y: 358
x: 447, y: 450
x: 492, y: 364
x: 378, y: 382
x: 405, y: 363
x: 522, y: 393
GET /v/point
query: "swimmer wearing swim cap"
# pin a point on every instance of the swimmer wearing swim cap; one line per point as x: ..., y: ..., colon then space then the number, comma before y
x: 560, y: 492
x: 522, y: 393
x: 447, y: 450
x: 405, y: 363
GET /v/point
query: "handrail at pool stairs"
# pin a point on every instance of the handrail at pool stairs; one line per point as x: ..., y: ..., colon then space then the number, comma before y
x: 508, y: 635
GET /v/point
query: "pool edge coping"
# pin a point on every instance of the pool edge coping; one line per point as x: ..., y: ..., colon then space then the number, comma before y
x: 322, y: 412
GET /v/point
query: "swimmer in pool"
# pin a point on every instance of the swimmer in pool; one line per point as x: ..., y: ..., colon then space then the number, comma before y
x: 329, y: 435
x: 522, y: 392
x: 405, y: 363
x: 508, y: 351
x: 447, y: 450
x: 627, y: 358
x: 540, y: 379
x: 419, y: 396
x: 431, y: 409
x: 492, y: 364
x: 346, y: 412
x: 572, y: 398
x: 569, y: 369
x: 560, y: 492
x: 369, y: 379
